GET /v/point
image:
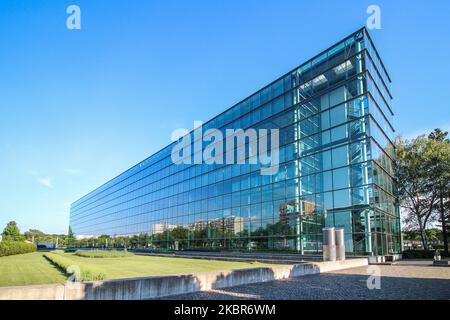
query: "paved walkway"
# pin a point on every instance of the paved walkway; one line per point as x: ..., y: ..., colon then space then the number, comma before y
x: 397, y: 282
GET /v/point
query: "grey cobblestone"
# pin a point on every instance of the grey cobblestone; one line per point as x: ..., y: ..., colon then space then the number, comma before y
x: 397, y: 282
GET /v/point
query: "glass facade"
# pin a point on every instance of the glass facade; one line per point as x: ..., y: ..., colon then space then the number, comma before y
x: 335, y: 125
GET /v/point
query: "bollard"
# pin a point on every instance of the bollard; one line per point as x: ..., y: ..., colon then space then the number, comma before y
x: 329, y: 244
x: 340, y: 244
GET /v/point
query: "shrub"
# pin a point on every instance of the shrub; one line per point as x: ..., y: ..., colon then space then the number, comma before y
x: 103, y: 254
x: 8, y: 248
x: 420, y: 254
x: 79, y: 273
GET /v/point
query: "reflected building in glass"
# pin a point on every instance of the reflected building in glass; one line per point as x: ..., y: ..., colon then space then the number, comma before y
x: 335, y: 122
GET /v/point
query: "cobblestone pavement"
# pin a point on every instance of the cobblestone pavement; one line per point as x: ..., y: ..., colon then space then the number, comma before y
x: 397, y: 282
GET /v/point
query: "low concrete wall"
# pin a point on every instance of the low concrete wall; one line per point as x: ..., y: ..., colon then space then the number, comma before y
x: 38, y: 292
x: 384, y: 259
x: 156, y: 287
x: 329, y: 266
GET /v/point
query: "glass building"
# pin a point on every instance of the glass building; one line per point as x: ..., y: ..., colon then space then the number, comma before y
x: 335, y: 133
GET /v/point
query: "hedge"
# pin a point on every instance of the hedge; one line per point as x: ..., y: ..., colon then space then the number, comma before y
x: 8, y: 248
x: 420, y: 254
x: 103, y: 254
x: 79, y: 273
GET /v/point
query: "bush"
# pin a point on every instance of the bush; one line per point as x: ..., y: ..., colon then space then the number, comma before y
x: 8, y: 248
x: 420, y: 254
x: 79, y: 273
x: 103, y: 254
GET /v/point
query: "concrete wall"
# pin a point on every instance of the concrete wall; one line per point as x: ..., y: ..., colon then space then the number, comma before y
x: 39, y: 292
x: 155, y: 287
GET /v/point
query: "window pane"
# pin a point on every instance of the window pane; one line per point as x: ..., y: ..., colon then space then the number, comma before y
x: 340, y: 156
x: 341, y: 198
x: 341, y: 178
x: 338, y: 115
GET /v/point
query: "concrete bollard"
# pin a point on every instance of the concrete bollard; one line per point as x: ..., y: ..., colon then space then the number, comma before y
x: 329, y: 244
x: 340, y: 244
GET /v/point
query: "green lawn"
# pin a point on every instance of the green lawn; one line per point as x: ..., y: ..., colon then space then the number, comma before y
x: 33, y: 268
x: 144, y: 266
x: 28, y: 269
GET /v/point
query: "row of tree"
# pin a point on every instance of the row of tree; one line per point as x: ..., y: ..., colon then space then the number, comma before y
x: 12, y: 233
x: 422, y: 172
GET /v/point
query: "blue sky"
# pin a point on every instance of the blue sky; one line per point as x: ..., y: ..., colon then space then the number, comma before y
x: 79, y: 107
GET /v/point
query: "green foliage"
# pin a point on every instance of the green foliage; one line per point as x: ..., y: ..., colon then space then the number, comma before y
x: 433, y: 234
x: 422, y: 172
x: 34, y: 235
x: 12, y: 232
x: 79, y: 273
x: 103, y: 254
x: 438, y: 135
x: 70, y: 236
x: 8, y: 248
x: 440, y: 175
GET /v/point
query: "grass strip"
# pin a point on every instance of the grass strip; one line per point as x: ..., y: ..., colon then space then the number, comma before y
x: 76, y: 271
x: 103, y: 254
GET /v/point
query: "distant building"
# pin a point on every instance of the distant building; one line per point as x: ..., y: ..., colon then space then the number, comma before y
x: 85, y: 236
x: 161, y: 227
x: 230, y: 224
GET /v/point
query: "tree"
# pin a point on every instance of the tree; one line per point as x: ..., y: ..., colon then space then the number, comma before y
x: 70, y: 234
x: 134, y: 241
x: 34, y: 235
x: 70, y: 240
x: 433, y: 234
x: 104, y: 240
x: 440, y: 176
x: 438, y: 135
x: 414, y: 186
x: 12, y: 232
